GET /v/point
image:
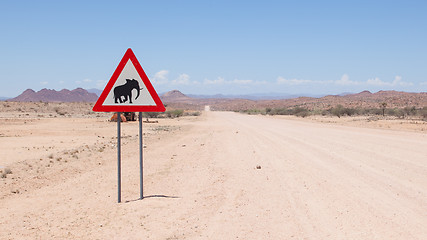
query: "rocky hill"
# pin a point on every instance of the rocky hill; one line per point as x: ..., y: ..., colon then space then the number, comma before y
x: 175, y: 96
x: 50, y: 95
x: 365, y: 99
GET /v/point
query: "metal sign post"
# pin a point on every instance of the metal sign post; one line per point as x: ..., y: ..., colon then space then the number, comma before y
x: 119, y: 172
x: 141, y: 195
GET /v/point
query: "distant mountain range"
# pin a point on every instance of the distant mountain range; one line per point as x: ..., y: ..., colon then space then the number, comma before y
x: 50, y: 95
x: 95, y: 90
x: 256, y: 96
x: 177, y: 99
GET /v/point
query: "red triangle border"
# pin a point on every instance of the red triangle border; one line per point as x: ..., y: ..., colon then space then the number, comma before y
x: 98, y: 107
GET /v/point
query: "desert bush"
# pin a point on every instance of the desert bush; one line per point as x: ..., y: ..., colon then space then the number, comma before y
x: 174, y: 113
x: 5, y: 172
x: 59, y: 111
x: 300, y: 112
x: 337, y: 111
x: 297, y: 111
x: 396, y: 112
x: 253, y: 111
x: 423, y: 113
x: 195, y: 114
x: 370, y: 111
x: 409, y: 111
x: 350, y: 111
x: 281, y: 111
x: 150, y: 114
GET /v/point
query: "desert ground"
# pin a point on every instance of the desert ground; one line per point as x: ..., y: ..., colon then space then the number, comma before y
x: 220, y: 175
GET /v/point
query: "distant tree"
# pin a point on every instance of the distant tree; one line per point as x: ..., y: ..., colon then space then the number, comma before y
x: 383, y: 106
x: 424, y: 113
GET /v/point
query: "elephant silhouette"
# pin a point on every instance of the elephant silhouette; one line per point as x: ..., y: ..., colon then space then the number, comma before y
x: 125, y: 91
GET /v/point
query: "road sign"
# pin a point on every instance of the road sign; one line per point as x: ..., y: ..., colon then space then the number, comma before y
x: 129, y: 90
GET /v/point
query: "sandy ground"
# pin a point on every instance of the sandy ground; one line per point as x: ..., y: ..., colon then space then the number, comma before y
x: 217, y: 176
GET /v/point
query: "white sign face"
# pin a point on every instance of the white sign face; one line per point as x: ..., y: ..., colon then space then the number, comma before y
x: 129, y: 90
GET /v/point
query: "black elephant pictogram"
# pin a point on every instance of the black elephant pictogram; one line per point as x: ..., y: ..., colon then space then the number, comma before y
x: 125, y: 91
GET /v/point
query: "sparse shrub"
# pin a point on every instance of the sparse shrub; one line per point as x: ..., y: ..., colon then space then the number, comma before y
x: 409, y: 111
x: 253, y: 111
x: 59, y: 111
x: 281, y: 111
x: 300, y: 112
x: 371, y: 111
x: 423, y: 113
x: 174, y: 113
x: 350, y: 111
x: 150, y: 114
x: 395, y: 112
x: 326, y: 112
x: 338, y: 111
x: 5, y: 172
x: 195, y: 114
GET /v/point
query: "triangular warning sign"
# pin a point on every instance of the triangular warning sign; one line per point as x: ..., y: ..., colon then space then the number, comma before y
x: 129, y: 90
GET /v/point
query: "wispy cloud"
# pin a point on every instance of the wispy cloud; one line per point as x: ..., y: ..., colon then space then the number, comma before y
x: 101, y: 83
x: 294, y: 81
x: 345, y: 80
x: 183, y: 79
x: 242, y: 81
x: 161, y: 77
x: 396, y: 82
x: 222, y: 81
x: 86, y: 80
x: 218, y: 80
x: 44, y: 83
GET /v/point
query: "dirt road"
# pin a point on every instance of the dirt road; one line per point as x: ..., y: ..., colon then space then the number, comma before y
x: 227, y: 176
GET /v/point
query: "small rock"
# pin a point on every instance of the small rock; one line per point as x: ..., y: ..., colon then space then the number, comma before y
x: 258, y: 167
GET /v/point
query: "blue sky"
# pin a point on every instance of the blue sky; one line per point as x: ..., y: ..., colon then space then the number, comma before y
x: 210, y: 47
